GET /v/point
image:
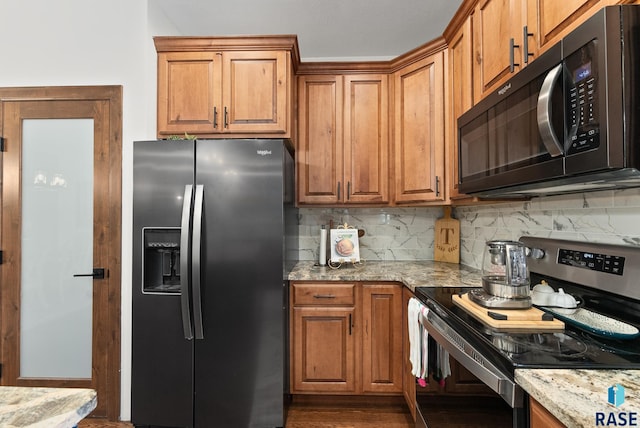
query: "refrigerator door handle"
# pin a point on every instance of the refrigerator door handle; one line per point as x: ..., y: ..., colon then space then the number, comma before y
x: 196, y: 243
x: 185, y: 255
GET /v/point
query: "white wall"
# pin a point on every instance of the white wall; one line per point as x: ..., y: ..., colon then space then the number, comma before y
x: 89, y: 42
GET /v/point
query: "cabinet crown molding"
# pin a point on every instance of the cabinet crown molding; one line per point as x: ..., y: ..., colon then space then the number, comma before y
x: 286, y: 42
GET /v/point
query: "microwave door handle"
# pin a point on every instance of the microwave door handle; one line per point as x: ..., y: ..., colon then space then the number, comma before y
x: 549, y: 137
x: 196, y: 261
x: 185, y: 269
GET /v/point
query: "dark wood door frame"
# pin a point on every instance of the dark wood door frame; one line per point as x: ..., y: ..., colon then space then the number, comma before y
x: 112, y: 96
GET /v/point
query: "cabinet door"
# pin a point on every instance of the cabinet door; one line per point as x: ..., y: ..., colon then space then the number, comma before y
x: 419, y: 131
x: 460, y: 57
x: 541, y: 417
x: 324, y: 352
x: 255, y: 92
x: 189, y: 87
x: 366, y: 139
x: 557, y: 18
x: 495, y: 23
x: 319, y: 153
x: 381, y: 338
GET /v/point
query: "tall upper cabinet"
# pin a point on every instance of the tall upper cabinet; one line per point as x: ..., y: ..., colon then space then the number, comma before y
x: 419, y: 130
x: 460, y: 95
x: 226, y: 86
x: 343, y: 142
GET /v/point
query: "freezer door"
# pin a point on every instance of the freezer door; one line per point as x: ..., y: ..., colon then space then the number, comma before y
x: 239, y: 364
x: 162, y: 359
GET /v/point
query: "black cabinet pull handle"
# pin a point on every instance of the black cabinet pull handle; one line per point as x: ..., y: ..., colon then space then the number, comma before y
x: 512, y: 63
x: 215, y: 117
x: 324, y: 296
x: 226, y: 118
x: 350, y: 324
x: 98, y: 273
x: 526, y: 34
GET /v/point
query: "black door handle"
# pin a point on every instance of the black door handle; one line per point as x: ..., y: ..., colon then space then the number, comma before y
x: 98, y: 273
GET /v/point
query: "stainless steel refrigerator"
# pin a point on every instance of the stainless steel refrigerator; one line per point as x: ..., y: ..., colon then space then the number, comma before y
x: 214, y: 235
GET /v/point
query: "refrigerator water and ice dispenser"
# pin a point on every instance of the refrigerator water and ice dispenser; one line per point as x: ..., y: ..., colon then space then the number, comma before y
x: 161, y: 260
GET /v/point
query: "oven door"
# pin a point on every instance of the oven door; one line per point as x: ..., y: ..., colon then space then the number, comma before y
x: 517, y: 134
x: 507, y: 408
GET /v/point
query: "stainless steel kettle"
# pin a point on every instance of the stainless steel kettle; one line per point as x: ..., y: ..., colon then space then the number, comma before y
x: 504, y: 270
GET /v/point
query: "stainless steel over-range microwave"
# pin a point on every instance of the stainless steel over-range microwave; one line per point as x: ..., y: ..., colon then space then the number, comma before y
x: 568, y: 122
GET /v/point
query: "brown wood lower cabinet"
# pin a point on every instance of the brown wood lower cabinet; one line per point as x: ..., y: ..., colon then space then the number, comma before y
x: 539, y: 417
x: 346, y: 338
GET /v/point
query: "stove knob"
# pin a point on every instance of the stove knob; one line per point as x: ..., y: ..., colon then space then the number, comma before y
x: 535, y: 253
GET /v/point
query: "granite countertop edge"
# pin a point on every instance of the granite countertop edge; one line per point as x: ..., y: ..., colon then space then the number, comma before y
x: 413, y: 274
x: 576, y: 396
x: 573, y: 396
x: 36, y: 407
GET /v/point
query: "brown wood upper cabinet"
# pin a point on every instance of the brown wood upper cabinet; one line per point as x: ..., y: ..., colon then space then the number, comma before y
x: 225, y: 87
x: 343, y: 141
x: 503, y: 42
x: 508, y: 34
x: 460, y: 95
x: 419, y: 106
x: 557, y: 18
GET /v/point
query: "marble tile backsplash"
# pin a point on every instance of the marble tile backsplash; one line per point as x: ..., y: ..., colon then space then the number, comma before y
x: 408, y: 233
x: 390, y: 233
x: 604, y: 217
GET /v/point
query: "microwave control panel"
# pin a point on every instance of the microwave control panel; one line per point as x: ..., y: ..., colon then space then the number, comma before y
x: 582, y: 106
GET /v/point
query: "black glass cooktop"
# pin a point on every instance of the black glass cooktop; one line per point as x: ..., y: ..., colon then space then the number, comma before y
x: 572, y: 347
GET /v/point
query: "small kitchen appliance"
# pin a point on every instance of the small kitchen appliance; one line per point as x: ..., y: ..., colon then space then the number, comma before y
x: 566, y: 123
x: 505, y: 277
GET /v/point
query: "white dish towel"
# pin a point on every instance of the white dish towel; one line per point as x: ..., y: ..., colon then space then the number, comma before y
x: 419, y: 344
x: 418, y: 336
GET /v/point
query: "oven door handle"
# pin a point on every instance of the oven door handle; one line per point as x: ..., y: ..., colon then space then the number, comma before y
x: 466, y: 357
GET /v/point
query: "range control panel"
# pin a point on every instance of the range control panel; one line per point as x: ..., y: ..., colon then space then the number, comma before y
x: 594, y: 261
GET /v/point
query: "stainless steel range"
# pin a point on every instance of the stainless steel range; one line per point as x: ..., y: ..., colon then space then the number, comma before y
x: 601, y: 330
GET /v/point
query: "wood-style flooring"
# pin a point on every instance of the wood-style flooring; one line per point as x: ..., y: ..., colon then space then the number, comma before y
x: 338, y: 413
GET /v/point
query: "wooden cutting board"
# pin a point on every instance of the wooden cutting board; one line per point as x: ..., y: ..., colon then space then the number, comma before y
x: 516, y: 319
x: 447, y: 237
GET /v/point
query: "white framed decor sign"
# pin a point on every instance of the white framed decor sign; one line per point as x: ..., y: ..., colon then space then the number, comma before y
x: 344, y: 246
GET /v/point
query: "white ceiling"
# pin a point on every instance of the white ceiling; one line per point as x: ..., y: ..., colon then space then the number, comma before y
x: 326, y: 29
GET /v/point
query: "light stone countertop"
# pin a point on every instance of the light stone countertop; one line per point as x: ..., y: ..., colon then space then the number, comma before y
x: 28, y: 407
x: 576, y: 396
x: 572, y: 396
x: 412, y: 274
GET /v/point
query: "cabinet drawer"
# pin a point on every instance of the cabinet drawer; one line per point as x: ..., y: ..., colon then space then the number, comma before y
x: 324, y: 294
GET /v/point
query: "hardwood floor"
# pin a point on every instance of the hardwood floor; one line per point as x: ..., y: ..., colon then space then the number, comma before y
x: 337, y: 412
